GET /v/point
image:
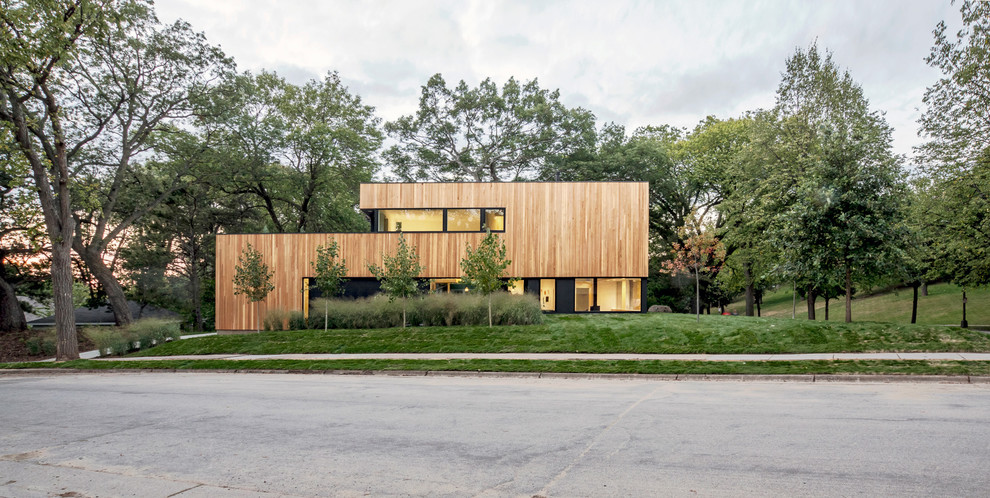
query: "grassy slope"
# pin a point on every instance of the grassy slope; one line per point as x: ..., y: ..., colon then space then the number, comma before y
x: 942, y: 305
x: 634, y: 333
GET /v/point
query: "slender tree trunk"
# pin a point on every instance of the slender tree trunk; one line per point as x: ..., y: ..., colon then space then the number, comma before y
x: 196, y: 290
x: 964, y: 323
x: 924, y: 289
x: 793, y: 300
x: 826, y: 308
x: 849, y: 294
x: 489, y: 311
x: 11, y: 315
x: 257, y: 309
x: 811, y: 298
x: 115, y: 293
x: 914, y: 303
x: 326, y: 315
x: 697, y: 294
x: 747, y: 275
x: 403, y: 312
x: 759, y: 305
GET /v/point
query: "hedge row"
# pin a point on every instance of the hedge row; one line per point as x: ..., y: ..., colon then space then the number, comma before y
x: 429, y: 310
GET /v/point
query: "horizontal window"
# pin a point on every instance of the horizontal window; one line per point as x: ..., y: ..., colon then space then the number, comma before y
x: 439, y: 220
x: 463, y: 220
x: 410, y: 220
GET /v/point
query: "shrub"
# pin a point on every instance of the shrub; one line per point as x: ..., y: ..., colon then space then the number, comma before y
x: 297, y: 321
x: 276, y: 319
x: 151, y: 331
x: 510, y: 309
x: 432, y: 310
x: 42, y: 343
x: 109, y: 340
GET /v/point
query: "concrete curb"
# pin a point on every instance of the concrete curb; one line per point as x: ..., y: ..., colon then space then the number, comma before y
x: 810, y: 378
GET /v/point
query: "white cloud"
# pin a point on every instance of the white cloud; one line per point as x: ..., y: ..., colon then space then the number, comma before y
x: 632, y: 62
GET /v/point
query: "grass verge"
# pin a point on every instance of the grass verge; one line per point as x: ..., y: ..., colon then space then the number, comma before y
x: 633, y: 333
x: 823, y: 367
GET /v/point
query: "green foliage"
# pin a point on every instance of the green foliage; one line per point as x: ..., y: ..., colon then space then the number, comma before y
x: 140, y: 334
x: 398, y: 273
x: 955, y: 221
x: 329, y: 271
x: 252, y: 278
x: 109, y: 340
x: 432, y: 310
x: 485, y: 267
x: 957, y: 117
x: 154, y: 331
x: 484, y: 133
x: 276, y: 319
x: 42, y: 343
x: 300, y: 150
x: 606, y: 333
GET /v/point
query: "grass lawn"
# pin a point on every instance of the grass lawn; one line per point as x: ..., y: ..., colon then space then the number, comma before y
x: 632, y: 333
x: 841, y: 367
x: 942, y: 305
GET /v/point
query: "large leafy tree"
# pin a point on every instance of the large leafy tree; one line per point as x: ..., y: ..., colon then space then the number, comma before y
x: 301, y: 151
x: 141, y: 84
x: 485, y: 133
x: 957, y: 126
x: 21, y: 228
x: 835, y: 186
x: 956, y: 120
x: 40, y: 44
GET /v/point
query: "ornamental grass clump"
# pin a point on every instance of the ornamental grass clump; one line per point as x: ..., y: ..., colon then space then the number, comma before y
x: 433, y: 310
x: 149, y: 332
x: 109, y: 340
x: 276, y: 319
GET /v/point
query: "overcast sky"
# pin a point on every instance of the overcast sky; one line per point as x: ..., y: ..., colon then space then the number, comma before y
x: 631, y: 62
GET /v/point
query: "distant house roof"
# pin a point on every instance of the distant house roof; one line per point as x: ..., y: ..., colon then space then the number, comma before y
x: 104, y: 316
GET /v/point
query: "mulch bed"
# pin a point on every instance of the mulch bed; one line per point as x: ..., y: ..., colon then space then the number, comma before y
x: 12, y: 347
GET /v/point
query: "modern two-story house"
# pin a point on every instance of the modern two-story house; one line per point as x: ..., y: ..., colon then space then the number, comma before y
x: 579, y: 246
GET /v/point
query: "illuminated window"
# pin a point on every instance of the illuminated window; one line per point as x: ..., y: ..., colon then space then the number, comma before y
x: 619, y: 294
x: 495, y: 220
x: 447, y: 286
x: 584, y: 294
x: 410, y: 220
x: 463, y: 220
x: 516, y: 288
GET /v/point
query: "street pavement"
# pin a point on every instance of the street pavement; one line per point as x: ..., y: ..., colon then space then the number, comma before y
x: 211, y: 434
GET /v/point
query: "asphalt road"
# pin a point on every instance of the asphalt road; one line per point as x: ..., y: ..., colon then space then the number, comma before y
x: 201, y: 434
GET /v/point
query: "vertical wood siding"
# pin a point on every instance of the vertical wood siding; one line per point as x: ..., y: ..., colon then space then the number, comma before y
x: 552, y: 230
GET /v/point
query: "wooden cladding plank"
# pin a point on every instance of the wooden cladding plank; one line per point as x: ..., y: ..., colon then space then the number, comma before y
x: 552, y: 230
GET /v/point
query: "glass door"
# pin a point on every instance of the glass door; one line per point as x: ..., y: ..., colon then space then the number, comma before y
x: 548, y: 298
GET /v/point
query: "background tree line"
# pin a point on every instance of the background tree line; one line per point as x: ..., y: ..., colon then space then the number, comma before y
x: 126, y: 144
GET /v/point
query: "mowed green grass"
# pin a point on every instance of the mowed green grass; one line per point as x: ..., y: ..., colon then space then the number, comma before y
x: 632, y: 333
x: 942, y: 305
x: 816, y: 367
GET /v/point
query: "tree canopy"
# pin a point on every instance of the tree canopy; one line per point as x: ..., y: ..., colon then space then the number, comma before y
x: 485, y: 133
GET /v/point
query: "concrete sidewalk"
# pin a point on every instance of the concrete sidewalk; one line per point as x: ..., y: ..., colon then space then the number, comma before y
x: 577, y: 356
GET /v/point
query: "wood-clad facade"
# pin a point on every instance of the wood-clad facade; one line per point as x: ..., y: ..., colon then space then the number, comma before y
x: 562, y: 231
